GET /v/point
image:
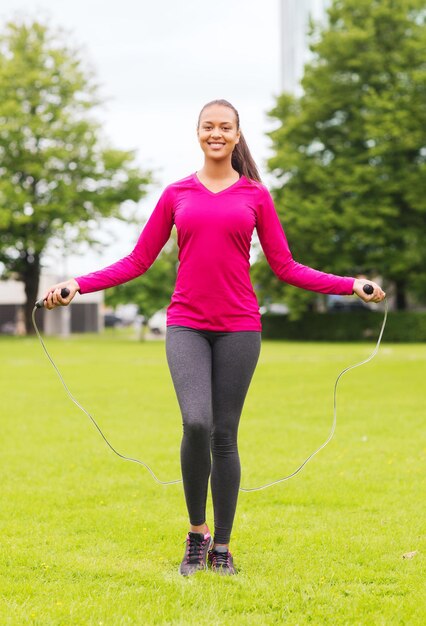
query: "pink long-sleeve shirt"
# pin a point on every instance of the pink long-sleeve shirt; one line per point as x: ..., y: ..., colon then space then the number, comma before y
x: 213, y: 289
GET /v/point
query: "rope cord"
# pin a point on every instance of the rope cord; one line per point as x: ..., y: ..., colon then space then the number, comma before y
x: 333, y: 426
x: 174, y: 482
x: 122, y: 456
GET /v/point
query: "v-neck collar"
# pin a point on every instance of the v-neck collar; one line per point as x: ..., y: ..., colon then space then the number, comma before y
x: 215, y: 193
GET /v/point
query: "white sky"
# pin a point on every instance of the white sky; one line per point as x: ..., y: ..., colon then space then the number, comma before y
x: 158, y: 62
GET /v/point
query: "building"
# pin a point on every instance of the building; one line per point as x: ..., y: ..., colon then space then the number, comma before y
x: 294, y: 19
x: 79, y: 317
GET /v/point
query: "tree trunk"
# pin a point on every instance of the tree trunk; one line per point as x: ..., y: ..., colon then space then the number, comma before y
x: 401, y: 295
x: 31, y: 280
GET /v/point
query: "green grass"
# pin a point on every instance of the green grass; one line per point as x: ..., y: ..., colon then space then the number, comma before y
x: 88, y: 539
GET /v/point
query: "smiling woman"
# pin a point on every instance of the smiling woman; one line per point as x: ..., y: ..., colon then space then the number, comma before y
x: 213, y: 321
x: 222, y: 141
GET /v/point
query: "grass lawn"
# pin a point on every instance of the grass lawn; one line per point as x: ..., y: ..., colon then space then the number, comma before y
x: 86, y: 538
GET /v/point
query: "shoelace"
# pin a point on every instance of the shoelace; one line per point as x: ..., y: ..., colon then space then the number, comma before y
x: 220, y: 559
x: 195, y: 548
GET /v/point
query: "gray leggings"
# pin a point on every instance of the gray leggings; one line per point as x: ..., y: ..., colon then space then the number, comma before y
x: 211, y: 373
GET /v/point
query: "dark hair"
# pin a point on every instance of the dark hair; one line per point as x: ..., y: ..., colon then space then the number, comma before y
x: 242, y: 161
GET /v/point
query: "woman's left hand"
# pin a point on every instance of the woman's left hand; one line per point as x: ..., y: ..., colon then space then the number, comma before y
x: 377, y: 296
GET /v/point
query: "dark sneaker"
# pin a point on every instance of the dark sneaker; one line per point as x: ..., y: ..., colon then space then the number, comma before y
x: 221, y: 562
x: 195, y: 557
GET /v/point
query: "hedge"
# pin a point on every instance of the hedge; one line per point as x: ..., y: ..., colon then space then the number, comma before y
x: 401, y: 326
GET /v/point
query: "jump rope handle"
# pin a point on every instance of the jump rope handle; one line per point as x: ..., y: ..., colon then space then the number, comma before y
x: 64, y: 294
x: 368, y: 289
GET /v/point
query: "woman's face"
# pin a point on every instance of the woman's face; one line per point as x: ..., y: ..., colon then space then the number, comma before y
x: 217, y: 132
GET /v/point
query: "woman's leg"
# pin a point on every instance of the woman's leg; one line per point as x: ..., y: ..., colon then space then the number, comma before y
x: 235, y: 356
x: 189, y: 356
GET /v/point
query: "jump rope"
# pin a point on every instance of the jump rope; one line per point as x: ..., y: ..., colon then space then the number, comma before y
x: 368, y: 289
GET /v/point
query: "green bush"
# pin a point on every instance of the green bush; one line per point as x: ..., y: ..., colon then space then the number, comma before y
x: 401, y: 326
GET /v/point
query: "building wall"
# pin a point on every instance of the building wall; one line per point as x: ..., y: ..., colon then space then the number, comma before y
x: 294, y: 41
x: 83, y: 315
x: 8, y: 316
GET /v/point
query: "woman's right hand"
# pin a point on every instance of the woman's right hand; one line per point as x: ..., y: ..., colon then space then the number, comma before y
x: 53, y: 297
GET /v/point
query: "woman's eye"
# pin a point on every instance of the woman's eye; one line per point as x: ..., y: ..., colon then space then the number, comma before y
x: 207, y: 128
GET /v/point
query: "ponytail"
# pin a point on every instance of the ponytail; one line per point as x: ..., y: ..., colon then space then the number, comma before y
x: 242, y: 161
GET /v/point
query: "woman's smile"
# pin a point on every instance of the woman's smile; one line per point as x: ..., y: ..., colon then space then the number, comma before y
x: 216, y: 145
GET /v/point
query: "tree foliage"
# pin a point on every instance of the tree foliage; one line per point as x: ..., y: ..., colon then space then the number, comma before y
x: 56, y: 170
x: 350, y: 152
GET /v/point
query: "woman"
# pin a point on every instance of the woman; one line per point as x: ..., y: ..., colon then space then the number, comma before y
x: 213, y: 322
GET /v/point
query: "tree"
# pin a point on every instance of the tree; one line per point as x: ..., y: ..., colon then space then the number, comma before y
x: 350, y: 152
x: 58, y: 176
x: 151, y: 291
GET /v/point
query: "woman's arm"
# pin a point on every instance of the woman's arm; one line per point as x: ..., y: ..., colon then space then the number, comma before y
x: 151, y: 241
x: 275, y: 246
